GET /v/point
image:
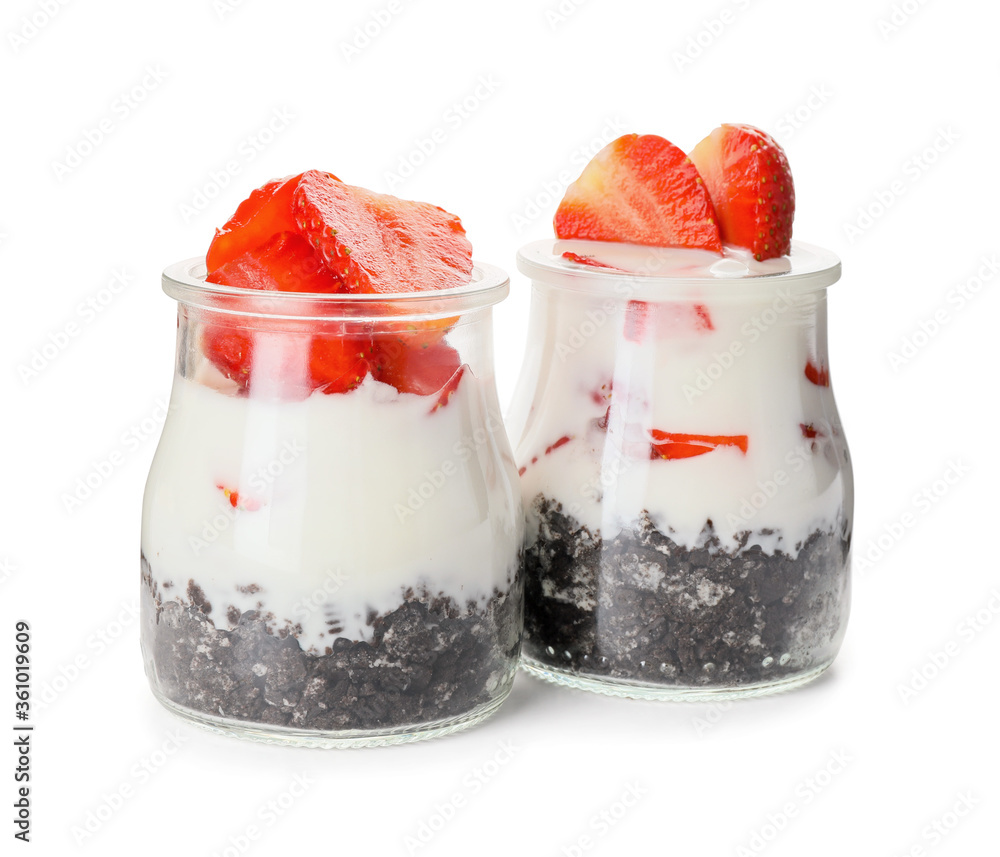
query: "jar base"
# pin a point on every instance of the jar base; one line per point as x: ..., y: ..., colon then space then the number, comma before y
x: 263, y: 733
x: 668, y: 693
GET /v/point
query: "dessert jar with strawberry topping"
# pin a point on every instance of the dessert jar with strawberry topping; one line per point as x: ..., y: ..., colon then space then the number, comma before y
x: 332, y: 525
x: 687, y: 484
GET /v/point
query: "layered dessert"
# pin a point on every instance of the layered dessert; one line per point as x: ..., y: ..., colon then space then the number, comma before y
x: 331, y: 528
x: 687, y: 485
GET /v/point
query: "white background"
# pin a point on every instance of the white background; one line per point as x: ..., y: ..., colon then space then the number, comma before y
x: 869, y: 102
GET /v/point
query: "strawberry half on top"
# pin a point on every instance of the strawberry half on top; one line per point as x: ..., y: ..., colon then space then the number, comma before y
x: 640, y: 190
x: 748, y: 177
x: 377, y: 243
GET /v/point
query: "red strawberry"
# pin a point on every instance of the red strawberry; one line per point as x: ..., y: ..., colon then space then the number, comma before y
x: 640, y: 190
x: 229, y: 350
x: 818, y: 375
x: 748, y: 177
x: 674, y: 445
x: 263, y: 214
x: 338, y: 363
x: 286, y: 262
x: 415, y: 370
x: 378, y: 243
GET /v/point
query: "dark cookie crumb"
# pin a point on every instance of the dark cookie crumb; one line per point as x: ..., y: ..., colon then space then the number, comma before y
x: 428, y: 660
x: 640, y: 607
x: 197, y: 596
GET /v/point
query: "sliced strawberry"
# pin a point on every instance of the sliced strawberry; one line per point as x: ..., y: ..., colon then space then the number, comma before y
x: 590, y: 262
x: 263, y: 214
x: 230, y: 352
x: 750, y: 183
x: 675, y: 445
x: 448, y: 390
x: 818, y: 375
x: 286, y: 262
x: 423, y: 371
x: 640, y: 190
x: 378, y: 243
x: 338, y: 363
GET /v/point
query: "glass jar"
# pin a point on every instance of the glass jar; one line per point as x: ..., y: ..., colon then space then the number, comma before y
x: 332, y: 525
x: 686, y: 481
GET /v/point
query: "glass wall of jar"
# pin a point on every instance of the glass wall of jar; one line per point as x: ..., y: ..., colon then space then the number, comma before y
x: 686, y: 481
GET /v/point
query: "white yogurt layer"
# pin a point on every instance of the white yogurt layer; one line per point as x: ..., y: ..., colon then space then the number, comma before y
x: 344, y: 501
x: 744, y: 376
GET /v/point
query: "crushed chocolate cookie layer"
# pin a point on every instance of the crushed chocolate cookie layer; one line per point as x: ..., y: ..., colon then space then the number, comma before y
x: 429, y: 659
x: 639, y: 607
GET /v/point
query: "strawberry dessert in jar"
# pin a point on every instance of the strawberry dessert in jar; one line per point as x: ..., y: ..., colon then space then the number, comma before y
x: 332, y: 527
x: 687, y: 485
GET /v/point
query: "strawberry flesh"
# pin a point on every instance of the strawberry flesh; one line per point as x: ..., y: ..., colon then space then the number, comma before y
x: 675, y: 445
x: 262, y: 215
x: 640, y: 190
x: 377, y: 243
x: 750, y: 183
x: 423, y: 371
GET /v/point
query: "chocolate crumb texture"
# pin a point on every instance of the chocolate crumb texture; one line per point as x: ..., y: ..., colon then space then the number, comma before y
x: 428, y: 659
x: 639, y: 607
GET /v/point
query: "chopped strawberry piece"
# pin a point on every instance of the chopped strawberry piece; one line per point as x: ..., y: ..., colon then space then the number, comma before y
x: 448, y: 390
x: 261, y: 216
x: 338, y: 364
x: 591, y: 262
x: 640, y: 190
x: 810, y: 431
x: 818, y: 375
x: 238, y: 502
x: 229, y: 350
x: 521, y: 471
x: 423, y: 371
x: 750, y: 183
x: 636, y: 313
x: 675, y: 445
x: 704, y: 321
x: 378, y: 243
x: 286, y: 262
x: 561, y: 442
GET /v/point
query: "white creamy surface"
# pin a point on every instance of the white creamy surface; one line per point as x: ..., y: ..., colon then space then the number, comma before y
x: 744, y: 377
x: 345, y: 501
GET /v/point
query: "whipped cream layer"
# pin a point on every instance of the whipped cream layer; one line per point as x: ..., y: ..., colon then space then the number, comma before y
x: 618, y: 356
x: 342, y: 503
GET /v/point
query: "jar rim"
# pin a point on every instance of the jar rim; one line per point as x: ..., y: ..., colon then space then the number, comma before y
x: 675, y: 271
x: 185, y: 282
